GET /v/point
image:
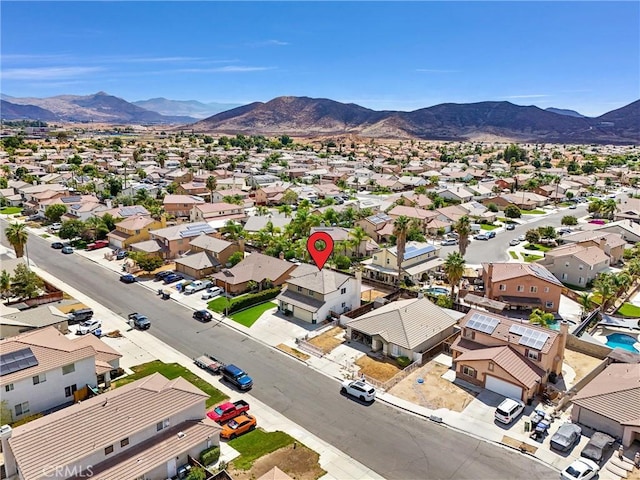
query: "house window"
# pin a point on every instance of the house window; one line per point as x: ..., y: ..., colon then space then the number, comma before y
x: 468, y: 371
x: 581, y: 280
x: 159, y: 426
x: 22, y: 408
x: 299, y: 289
x: 549, y: 304
x: 311, y: 293
x: 533, y: 289
x: 468, y: 333
x: 137, y: 232
x: 68, y: 369
x: 68, y: 391
x: 490, y: 366
x: 564, y: 276
x: 108, y: 450
x: 388, y: 261
x: 375, y: 257
x: 566, y: 264
x: 343, y: 291
x: 8, y: 388
x: 520, y: 288
x: 502, y: 287
x: 124, y: 442
x: 533, y: 355
x: 546, y: 289
x: 581, y: 267
x: 39, y: 379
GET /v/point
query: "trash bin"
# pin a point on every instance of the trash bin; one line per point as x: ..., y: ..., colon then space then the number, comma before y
x: 165, y: 295
x: 160, y: 291
x: 527, y: 426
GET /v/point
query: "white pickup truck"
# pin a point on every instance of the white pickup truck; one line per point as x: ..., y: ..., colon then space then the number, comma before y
x: 197, y: 285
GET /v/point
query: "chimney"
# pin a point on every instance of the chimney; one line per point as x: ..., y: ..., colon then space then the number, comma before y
x: 9, y: 460
x: 488, y: 282
x: 241, y: 244
x: 281, y: 255
x: 603, y: 244
x: 358, y: 288
x: 564, y: 334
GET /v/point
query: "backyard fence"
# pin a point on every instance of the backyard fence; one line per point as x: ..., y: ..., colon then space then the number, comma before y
x: 309, y: 348
x: 393, y: 381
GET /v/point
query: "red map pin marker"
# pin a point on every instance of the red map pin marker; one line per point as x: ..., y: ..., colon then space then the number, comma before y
x: 320, y: 256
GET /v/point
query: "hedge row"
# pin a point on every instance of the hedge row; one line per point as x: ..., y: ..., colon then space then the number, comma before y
x: 210, y: 456
x: 251, y: 299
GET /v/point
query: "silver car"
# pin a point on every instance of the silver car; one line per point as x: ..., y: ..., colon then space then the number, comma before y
x: 566, y: 437
x: 212, y: 292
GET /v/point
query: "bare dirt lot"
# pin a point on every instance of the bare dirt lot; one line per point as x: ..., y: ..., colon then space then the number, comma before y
x: 582, y: 364
x: 381, y: 370
x: 435, y: 392
x: 300, y: 463
x: 292, y: 351
x: 329, y: 340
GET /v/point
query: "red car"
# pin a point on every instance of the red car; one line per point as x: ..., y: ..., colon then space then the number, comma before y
x: 227, y: 411
x: 98, y: 244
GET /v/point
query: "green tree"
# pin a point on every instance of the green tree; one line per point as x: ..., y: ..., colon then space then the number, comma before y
x: 454, y: 269
x: 114, y: 185
x: 569, y: 220
x: 71, y: 229
x: 25, y: 283
x: 585, y: 303
x: 511, y: 211
x: 5, y: 286
x: 532, y: 236
x: 109, y: 221
x: 595, y: 207
x: 542, y: 318
x: 289, y: 197
x: 605, y: 287
x: 145, y: 261
x: 463, y: 228
x: 3, y: 182
x: 17, y: 235
x: 6, y: 415
x: 342, y: 262
x: 400, y: 228
x: 212, y: 184
x: 285, y: 210
x: 609, y: 208
x: 358, y: 235
x: 196, y: 473
x: 492, y: 207
x: 54, y: 212
x: 547, y: 232
x: 235, y: 258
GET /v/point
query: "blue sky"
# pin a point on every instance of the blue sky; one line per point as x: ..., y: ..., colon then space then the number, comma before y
x: 382, y: 55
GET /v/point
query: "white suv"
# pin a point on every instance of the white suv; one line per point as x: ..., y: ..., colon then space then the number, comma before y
x: 88, y: 326
x: 212, y: 292
x: 509, y: 410
x: 359, y: 389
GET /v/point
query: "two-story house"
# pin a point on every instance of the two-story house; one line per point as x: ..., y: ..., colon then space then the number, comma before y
x: 419, y: 259
x: 205, y: 212
x: 374, y: 223
x: 610, y: 243
x: 575, y: 264
x: 194, y: 188
x: 509, y: 357
x: 180, y: 205
x: 423, y: 217
x: 207, y: 254
x: 145, y: 429
x: 42, y: 369
x: 522, y: 285
x: 271, y: 195
x: 171, y: 242
x: 312, y: 297
x: 134, y: 229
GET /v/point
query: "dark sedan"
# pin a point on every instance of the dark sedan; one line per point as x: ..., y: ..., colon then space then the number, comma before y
x: 203, y: 315
x: 566, y: 437
x: 128, y: 278
x: 174, y: 277
x: 57, y: 245
x: 163, y: 274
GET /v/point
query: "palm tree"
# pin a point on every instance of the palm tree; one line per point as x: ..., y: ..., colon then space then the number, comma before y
x: 17, y: 236
x: 621, y: 282
x: 400, y: 229
x: 596, y: 206
x: 212, y: 184
x: 454, y: 269
x: 585, y: 303
x: 358, y: 235
x: 633, y: 268
x: 609, y: 208
x: 233, y: 230
x: 5, y: 284
x: 285, y: 210
x: 542, y: 318
x: 463, y: 229
x: 605, y: 287
x: 261, y: 210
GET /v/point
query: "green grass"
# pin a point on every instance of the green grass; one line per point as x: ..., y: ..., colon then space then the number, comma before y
x: 10, y: 210
x: 514, y: 255
x: 256, y: 444
x: 249, y: 316
x: 532, y: 212
x: 45, y: 235
x: 486, y: 226
x: 536, y: 246
x: 531, y: 258
x: 629, y: 310
x: 577, y: 288
x: 218, y: 304
x: 171, y: 371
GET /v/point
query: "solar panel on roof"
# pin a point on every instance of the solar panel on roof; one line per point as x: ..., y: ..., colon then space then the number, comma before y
x: 413, y: 251
x: 73, y: 199
x: 195, y: 230
x: 517, y: 329
x: 533, y: 338
x: 483, y: 323
x: 16, y: 361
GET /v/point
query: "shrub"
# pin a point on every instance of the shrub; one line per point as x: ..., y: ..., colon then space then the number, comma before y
x: 196, y: 473
x: 511, y: 211
x: 210, y: 456
x: 403, y: 361
x: 342, y: 262
x: 24, y: 420
x: 251, y: 299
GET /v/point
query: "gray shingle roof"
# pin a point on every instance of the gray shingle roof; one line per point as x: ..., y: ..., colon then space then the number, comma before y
x: 323, y: 281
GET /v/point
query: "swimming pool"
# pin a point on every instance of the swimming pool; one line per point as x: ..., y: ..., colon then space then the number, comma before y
x: 622, y: 340
x: 436, y: 291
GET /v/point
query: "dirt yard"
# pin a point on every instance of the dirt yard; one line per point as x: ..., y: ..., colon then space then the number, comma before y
x: 381, y: 370
x: 71, y: 306
x: 329, y: 340
x: 300, y: 463
x: 582, y: 364
x: 435, y: 392
x: 293, y: 351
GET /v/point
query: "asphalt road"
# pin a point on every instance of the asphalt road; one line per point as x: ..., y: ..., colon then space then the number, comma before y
x: 395, y: 444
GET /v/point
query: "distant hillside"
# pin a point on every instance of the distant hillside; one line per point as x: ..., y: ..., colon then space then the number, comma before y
x: 303, y: 116
x: 12, y: 111
x: 100, y: 107
x: 190, y: 108
x: 564, y: 111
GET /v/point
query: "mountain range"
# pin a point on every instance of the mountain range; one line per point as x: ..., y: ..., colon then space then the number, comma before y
x: 305, y: 117
x: 189, y: 108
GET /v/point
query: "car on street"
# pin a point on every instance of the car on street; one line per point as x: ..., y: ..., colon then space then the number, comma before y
x: 237, y: 377
x: 128, y: 278
x: 140, y: 321
x: 510, y: 226
x: 522, y: 238
x: 572, y: 207
x: 88, y: 326
x: 174, y: 277
x: 203, y: 315
x: 491, y: 234
x: 67, y: 250
x: 359, y: 389
x: 581, y: 469
x: 165, y: 273
x: 57, y: 245
x: 212, y: 292
x: 597, y: 447
x: 566, y: 437
x: 449, y: 241
x: 514, y: 242
x: 481, y: 236
x: 238, y: 426
x: 228, y: 410
x: 509, y: 410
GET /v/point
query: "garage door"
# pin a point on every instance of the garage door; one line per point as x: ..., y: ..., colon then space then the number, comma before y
x: 503, y: 388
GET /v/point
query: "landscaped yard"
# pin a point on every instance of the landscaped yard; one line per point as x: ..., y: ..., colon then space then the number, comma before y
x: 381, y: 370
x: 218, y: 304
x: 328, y: 340
x: 514, y: 255
x: 531, y: 258
x: 249, y: 316
x: 10, y: 210
x: 629, y: 310
x: 536, y: 246
x: 486, y: 226
x: 171, y: 371
x: 532, y: 212
x: 293, y: 351
x: 256, y: 444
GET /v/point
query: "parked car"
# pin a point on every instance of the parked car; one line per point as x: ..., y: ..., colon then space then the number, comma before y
x: 450, y: 241
x: 510, y: 226
x: 67, y: 250
x: 203, y: 315
x: 509, y: 410
x: 197, y: 285
x: 359, y: 389
x: 88, y: 326
x: 581, y: 469
x: 165, y: 273
x: 57, y: 245
x: 481, y: 236
x: 566, y: 437
x: 514, y: 242
x: 572, y: 206
x: 491, y: 234
x: 237, y: 376
x: 80, y: 315
x: 98, y: 244
x: 238, y: 426
x: 522, y: 238
x: 174, y: 277
x: 212, y: 292
x: 128, y: 278
x: 55, y: 227
x: 227, y: 411
x: 120, y: 254
x: 140, y: 321
x: 597, y: 447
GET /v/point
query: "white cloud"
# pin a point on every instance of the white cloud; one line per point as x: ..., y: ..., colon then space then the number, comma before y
x: 47, y: 73
x: 227, y: 69
x: 269, y: 43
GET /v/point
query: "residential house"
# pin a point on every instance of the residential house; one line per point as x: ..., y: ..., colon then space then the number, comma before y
x: 145, y: 429
x: 42, y: 370
x: 341, y: 237
x: 206, y: 256
x: 610, y: 243
x: 423, y: 217
x: 123, y: 211
x: 457, y: 194
x: 14, y: 322
x: 374, y: 223
x: 522, y: 285
x: 270, y: 195
x: 261, y: 181
x: 256, y: 223
x: 609, y: 403
x: 179, y: 176
x: 261, y: 269
x: 194, y: 188
x: 171, y: 242
x: 419, y: 260
x: 555, y: 192
x: 314, y: 297
x: 576, y: 264
x: 525, y: 200
x: 205, y: 212
x: 628, y: 229
x: 180, y: 205
x: 479, y: 212
x: 506, y: 356
x: 628, y: 209
x: 403, y: 328
x: 134, y: 229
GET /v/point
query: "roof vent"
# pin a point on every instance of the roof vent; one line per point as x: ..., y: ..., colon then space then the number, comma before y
x: 181, y: 434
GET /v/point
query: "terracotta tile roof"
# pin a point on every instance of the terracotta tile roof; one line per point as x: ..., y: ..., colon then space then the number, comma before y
x: 323, y: 281
x: 257, y: 267
x: 103, y: 351
x: 412, y: 212
x: 218, y: 207
x: 521, y: 369
x: 614, y: 394
x: 136, y: 222
x: 209, y: 243
x: 100, y: 421
x: 507, y: 271
x: 51, y: 349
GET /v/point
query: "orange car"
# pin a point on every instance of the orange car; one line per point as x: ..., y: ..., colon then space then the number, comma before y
x: 238, y: 426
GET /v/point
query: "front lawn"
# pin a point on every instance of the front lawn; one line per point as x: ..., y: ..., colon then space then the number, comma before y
x: 487, y: 226
x: 532, y: 212
x: 10, y: 210
x: 218, y: 304
x: 256, y: 444
x: 629, y: 310
x: 171, y: 371
x: 536, y: 246
x: 531, y: 258
x: 514, y: 255
x: 249, y: 316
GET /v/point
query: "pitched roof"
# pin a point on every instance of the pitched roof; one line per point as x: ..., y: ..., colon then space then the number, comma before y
x: 507, y: 271
x: 406, y: 323
x: 275, y: 474
x: 322, y: 281
x: 589, y: 255
x: 412, y: 212
x: 100, y: 421
x: 209, y: 243
x: 104, y: 352
x: 135, y: 222
x: 198, y: 261
x: 614, y: 393
x: 256, y: 267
